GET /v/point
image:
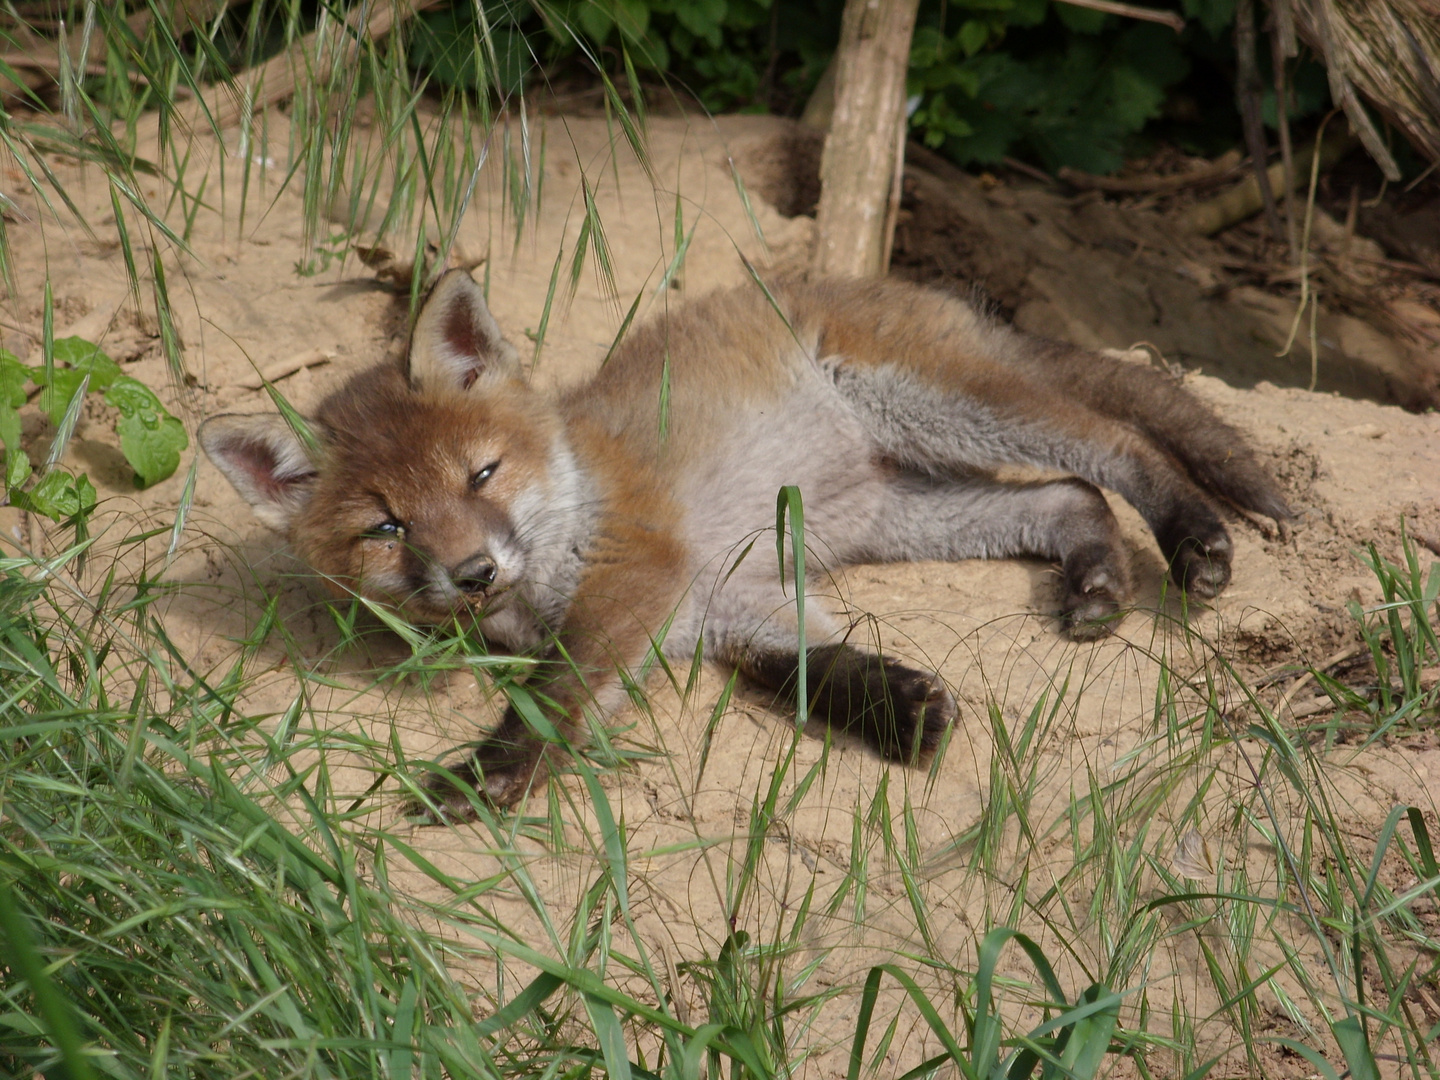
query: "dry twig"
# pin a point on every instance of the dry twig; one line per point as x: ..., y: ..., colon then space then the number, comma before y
x: 1244, y: 199
x: 283, y: 368
x: 1225, y: 167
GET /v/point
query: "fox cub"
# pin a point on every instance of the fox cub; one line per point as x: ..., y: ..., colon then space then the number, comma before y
x: 591, y: 524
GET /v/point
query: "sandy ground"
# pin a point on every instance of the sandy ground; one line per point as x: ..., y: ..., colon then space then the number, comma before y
x: 1351, y: 468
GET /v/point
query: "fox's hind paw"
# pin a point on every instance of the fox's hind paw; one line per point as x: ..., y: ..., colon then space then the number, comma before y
x: 1202, y: 566
x: 449, y: 796
x: 900, y: 711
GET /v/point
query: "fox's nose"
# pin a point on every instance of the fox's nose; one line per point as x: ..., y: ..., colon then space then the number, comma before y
x: 474, y: 575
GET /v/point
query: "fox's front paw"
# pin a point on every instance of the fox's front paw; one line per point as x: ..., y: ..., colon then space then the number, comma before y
x: 453, y: 795
x: 917, y: 709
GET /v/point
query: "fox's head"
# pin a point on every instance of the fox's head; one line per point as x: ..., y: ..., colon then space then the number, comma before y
x: 424, y: 480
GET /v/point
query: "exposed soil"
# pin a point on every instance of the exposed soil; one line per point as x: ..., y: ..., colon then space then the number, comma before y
x: 1084, y: 269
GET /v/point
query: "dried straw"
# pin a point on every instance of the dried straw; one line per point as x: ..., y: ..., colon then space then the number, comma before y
x: 1387, y: 51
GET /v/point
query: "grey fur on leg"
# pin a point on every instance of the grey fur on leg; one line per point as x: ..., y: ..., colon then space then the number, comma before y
x: 1067, y: 521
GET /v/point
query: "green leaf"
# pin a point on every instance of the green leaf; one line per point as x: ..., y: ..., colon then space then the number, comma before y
x: 56, y: 397
x: 1350, y: 1034
x: 17, y: 469
x: 595, y: 21
x: 632, y: 17
x: 1216, y: 16
x: 59, y: 496
x: 88, y: 358
x: 83, y: 358
x: 13, y: 376
x: 1080, y: 20
x: 150, y: 438
x: 974, y: 35
x: 703, y: 18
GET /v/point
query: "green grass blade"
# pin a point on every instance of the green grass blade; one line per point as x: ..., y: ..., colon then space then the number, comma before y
x: 19, y: 954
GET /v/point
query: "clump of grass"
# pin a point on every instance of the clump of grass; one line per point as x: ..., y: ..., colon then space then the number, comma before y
x: 161, y: 908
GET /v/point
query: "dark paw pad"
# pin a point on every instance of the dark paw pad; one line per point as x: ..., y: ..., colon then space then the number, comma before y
x: 1095, y: 590
x: 1202, y: 567
x: 922, y: 709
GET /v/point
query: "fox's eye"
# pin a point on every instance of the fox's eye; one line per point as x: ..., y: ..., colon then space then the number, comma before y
x: 386, y: 530
x: 477, y: 480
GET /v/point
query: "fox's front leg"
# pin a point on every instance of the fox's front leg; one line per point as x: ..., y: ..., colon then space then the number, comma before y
x: 900, y: 711
x: 633, y: 583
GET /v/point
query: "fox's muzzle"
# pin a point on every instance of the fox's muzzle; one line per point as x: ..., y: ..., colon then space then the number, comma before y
x: 475, y: 576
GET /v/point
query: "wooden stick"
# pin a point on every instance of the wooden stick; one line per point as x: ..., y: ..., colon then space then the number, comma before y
x: 1247, y: 95
x: 892, y: 209
x: 283, y: 368
x: 858, y: 163
x: 1130, y: 11
x: 1223, y: 168
x: 1243, y: 200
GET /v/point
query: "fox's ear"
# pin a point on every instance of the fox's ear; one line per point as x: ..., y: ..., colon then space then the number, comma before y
x: 456, y: 343
x: 266, y: 462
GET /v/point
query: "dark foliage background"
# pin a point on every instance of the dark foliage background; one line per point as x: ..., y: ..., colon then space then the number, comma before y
x: 1048, y: 82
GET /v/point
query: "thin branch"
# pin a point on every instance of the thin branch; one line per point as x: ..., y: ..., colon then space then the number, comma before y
x: 1247, y: 94
x: 1223, y: 168
x: 1130, y: 11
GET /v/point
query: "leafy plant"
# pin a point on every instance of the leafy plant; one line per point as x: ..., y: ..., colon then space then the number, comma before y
x: 150, y: 438
x: 718, y: 50
x: 1068, y: 98
x: 1064, y: 85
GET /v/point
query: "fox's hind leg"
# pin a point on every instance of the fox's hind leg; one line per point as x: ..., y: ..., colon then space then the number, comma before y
x: 1215, y: 453
x: 984, y: 416
x: 900, y: 711
x: 976, y: 517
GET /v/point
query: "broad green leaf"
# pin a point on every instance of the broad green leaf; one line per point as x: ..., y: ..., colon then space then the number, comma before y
x: 150, y: 438
x: 632, y: 17
x: 1354, y: 1044
x: 17, y: 469
x: 83, y: 358
x: 974, y: 35
x: 87, y: 357
x: 703, y: 18
x: 595, y: 21
x: 58, y: 496
x: 13, y: 375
